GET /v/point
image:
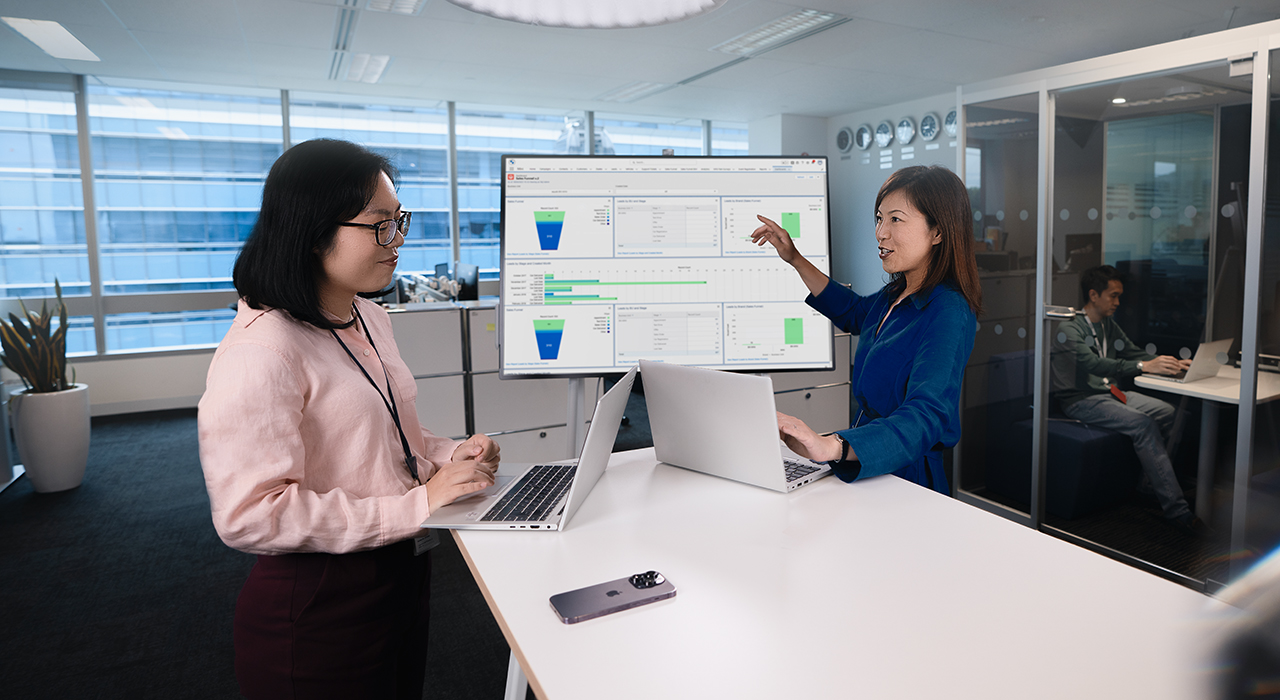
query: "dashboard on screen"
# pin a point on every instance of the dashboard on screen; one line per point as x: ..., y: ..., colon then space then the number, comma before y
x: 610, y: 259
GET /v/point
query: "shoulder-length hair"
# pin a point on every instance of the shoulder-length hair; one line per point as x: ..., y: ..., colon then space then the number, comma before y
x: 938, y: 194
x: 311, y: 189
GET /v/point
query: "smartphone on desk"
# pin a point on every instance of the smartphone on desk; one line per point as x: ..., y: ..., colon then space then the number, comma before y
x: 614, y: 596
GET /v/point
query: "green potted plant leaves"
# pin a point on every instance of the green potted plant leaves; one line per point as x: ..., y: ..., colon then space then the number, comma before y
x: 50, y: 415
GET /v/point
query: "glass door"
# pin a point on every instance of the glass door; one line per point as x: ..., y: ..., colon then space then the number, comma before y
x: 1145, y: 252
x: 1000, y: 163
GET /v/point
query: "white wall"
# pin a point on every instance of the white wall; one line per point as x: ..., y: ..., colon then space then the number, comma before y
x: 788, y: 135
x: 856, y: 177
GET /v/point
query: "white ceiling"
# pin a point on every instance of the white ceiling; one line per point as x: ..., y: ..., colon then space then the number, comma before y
x: 892, y: 50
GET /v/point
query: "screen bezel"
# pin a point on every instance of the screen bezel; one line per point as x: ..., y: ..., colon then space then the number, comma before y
x: 552, y: 374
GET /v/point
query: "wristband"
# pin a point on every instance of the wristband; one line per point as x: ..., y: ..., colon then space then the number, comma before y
x: 844, y: 451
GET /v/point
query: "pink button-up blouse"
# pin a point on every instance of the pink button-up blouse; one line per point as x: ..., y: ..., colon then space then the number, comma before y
x: 299, y: 452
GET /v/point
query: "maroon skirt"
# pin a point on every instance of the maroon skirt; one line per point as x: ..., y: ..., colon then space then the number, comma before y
x: 334, y: 625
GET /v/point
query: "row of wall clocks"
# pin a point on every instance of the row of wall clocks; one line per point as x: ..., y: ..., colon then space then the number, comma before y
x: 905, y: 131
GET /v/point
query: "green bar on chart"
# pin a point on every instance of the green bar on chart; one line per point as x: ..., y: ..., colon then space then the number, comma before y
x: 793, y: 331
x: 791, y: 223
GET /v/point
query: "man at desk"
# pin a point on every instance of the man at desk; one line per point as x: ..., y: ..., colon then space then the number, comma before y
x: 1090, y: 353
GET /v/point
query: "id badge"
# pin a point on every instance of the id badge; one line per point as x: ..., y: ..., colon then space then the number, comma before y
x: 425, y: 543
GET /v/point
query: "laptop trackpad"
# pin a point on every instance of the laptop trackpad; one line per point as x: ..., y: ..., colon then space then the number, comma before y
x: 498, y: 484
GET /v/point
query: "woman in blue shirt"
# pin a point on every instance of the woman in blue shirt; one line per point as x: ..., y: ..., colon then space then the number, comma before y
x: 915, y: 334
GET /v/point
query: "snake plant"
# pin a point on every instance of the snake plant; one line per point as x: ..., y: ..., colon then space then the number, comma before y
x: 34, y: 351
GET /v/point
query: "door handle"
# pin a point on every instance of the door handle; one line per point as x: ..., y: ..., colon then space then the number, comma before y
x: 1051, y: 311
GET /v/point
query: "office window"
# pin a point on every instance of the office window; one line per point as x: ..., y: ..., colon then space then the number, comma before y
x: 649, y: 136
x: 415, y: 138
x: 729, y: 138
x: 177, y: 185
x: 178, y: 182
x: 41, y: 202
x: 484, y: 134
x: 160, y: 331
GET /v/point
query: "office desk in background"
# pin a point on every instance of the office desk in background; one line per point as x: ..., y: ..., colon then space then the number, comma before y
x: 880, y: 589
x: 1212, y: 391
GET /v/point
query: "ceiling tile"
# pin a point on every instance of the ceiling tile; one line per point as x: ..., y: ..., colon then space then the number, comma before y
x: 64, y: 11
x: 211, y: 18
x: 304, y: 24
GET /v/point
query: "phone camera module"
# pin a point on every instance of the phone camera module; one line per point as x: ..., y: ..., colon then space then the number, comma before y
x: 648, y: 579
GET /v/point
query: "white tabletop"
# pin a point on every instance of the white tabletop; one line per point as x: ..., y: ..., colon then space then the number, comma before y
x: 1223, y: 388
x: 878, y: 589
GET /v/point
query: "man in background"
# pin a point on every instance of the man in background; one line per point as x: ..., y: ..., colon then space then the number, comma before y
x: 1090, y: 354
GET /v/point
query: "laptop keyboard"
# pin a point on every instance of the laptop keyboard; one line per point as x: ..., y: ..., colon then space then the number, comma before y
x: 796, y: 470
x: 537, y: 492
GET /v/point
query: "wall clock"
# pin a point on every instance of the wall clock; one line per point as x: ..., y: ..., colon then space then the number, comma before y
x: 930, y: 126
x: 864, y: 137
x: 906, y: 130
x: 951, y: 124
x: 884, y: 134
x: 844, y: 139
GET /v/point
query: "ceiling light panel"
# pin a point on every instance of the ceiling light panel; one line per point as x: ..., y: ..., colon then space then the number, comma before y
x: 633, y: 91
x: 400, y: 7
x: 52, y: 38
x: 591, y: 14
x: 367, y: 68
x: 780, y: 32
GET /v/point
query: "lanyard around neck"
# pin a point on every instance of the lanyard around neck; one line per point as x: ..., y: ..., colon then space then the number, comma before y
x: 410, y: 462
x: 1102, y: 346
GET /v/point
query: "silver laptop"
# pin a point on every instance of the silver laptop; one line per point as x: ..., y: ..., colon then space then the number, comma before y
x: 1203, y: 366
x: 542, y: 496
x: 723, y: 424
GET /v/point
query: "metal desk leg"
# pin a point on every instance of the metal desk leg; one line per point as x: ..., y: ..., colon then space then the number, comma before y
x: 517, y: 684
x: 1207, y: 460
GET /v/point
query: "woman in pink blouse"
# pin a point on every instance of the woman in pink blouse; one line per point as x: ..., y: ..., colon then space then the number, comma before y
x: 310, y: 443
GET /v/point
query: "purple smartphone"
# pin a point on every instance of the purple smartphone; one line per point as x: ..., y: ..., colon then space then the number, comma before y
x: 605, y: 598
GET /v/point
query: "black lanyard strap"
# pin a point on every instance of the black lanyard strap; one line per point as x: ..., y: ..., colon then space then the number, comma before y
x: 410, y: 461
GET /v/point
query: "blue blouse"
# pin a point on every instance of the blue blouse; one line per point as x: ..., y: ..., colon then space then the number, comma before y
x: 906, y: 378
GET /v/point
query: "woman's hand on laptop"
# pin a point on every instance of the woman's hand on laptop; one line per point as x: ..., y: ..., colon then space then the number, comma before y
x: 480, y: 449
x: 453, y: 480
x: 801, y: 439
x: 1165, y: 364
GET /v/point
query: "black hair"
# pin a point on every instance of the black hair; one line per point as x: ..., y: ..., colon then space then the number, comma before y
x: 940, y: 196
x: 311, y: 189
x: 1098, y: 279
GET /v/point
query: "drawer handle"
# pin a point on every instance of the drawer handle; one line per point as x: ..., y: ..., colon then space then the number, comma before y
x: 807, y: 395
x: 542, y: 434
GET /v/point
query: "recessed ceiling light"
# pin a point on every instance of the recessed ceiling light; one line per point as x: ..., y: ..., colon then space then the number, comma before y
x: 779, y: 32
x: 1117, y: 100
x: 633, y: 91
x: 591, y: 14
x: 52, y: 38
x: 400, y: 7
x: 367, y: 68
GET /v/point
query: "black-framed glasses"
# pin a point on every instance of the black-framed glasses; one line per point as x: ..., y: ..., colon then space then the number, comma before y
x: 385, y: 231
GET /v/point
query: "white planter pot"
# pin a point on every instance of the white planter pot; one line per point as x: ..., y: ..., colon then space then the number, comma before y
x: 52, y: 432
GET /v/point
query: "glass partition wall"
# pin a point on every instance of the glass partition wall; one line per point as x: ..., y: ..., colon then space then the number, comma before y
x: 1139, y: 249
x: 1000, y: 145
x: 1141, y: 212
x: 1255, y: 503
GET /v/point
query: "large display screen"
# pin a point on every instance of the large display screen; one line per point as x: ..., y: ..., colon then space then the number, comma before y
x: 610, y: 259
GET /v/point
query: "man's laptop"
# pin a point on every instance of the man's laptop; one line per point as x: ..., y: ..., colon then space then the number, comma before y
x: 1203, y: 366
x: 543, y: 496
x: 722, y: 424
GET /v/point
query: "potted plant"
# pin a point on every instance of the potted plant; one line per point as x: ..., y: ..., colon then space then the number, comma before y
x: 50, y: 415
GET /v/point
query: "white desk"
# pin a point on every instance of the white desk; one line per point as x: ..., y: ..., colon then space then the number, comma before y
x: 880, y: 589
x: 1221, y: 389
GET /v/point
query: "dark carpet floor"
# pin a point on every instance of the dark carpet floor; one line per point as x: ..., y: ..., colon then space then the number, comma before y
x: 121, y: 588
